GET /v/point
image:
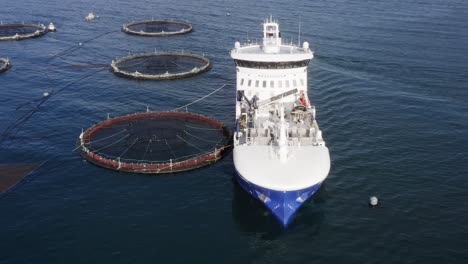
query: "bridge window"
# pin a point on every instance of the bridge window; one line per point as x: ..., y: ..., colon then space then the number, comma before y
x: 272, y: 65
x: 287, y: 83
x: 257, y: 83
x: 302, y: 82
x: 242, y: 81
x: 264, y: 84
x: 280, y: 84
x: 250, y: 83
x: 272, y: 84
x: 295, y: 83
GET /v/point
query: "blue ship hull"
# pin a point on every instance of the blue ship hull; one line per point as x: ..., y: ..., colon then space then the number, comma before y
x: 283, y: 204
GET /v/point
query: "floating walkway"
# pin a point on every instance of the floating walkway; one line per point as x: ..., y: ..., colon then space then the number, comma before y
x: 155, y: 142
x: 160, y: 65
x: 157, y: 28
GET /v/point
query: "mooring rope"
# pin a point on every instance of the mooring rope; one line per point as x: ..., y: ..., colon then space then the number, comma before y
x: 204, y: 128
x: 170, y: 149
x: 111, y: 143
x: 9, y: 131
x: 101, y: 139
x: 191, y: 144
x: 136, y: 139
x: 72, y: 49
x: 19, y: 122
x: 198, y: 100
x: 146, y: 149
x: 211, y: 141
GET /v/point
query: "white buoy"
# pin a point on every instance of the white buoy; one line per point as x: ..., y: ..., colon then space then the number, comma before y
x: 45, y: 94
x: 373, y: 201
x: 90, y: 16
x: 81, y: 44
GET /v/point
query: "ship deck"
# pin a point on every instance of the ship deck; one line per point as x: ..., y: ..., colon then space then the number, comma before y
x: 306, y: 166
x: 263, y: 128
x: 257, y: 153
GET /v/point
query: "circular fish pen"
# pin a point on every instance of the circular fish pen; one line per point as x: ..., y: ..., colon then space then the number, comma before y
x: 5, y: 64
x: 160, y: 65
x: 155, y: 142
x: 21, y: 31
x: 157, y: 28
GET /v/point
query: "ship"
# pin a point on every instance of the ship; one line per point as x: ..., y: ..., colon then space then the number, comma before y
x: 279, y: 154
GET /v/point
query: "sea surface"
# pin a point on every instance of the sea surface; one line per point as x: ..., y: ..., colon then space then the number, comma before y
x: 389, y: 80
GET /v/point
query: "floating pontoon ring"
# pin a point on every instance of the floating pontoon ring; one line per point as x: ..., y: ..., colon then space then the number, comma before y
x: 157, y: 28
x: 21, y: 31
x: 160, y: 65
x: 155, y: 142
x: 5, y: 64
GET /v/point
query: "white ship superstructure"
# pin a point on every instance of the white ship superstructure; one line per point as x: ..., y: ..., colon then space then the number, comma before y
x: 279, y: 153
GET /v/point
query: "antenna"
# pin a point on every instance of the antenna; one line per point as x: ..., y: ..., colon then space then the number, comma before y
x: 299, y: 34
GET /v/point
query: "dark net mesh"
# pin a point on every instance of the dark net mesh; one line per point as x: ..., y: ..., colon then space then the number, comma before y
x: 156, y: 139
x: 12, y: 174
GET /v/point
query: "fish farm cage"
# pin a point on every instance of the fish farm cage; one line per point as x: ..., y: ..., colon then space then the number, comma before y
x: 161, y: 65
x: 157, y: 28
x: 155, y: 142
x: 19, y: 31
x: 5, y: 64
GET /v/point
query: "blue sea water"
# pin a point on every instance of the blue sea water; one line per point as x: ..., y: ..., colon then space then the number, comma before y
x: 390, y: 84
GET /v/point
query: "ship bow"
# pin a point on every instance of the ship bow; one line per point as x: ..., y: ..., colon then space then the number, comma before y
x: 283, y: 204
